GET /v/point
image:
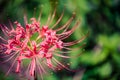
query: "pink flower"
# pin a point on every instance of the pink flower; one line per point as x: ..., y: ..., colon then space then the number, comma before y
x: 40, y: 50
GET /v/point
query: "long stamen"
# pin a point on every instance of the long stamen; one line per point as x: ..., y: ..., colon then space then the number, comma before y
x: 4, y: 30
x: 52, y: 17
x: 2, y: 39
x: 11, y: 26
x: 4, y: 56
x: 25, y: 19
x: 34, y: 12
x: 62, y: 55
x: 53, y: 67
x: 68, y: 33
x: 40, y: 66
x: 10, y: 58
x: 48, y: 19
x: 11, y: 66
x: 67, y: 23
x: 61, y: 64
x: 75, y: 42
x: 28, y: 68
x: 32, y: 69
x: 60, y: 18
x: 40, y: 15
x: 71, y: 49
x: 40, y: 69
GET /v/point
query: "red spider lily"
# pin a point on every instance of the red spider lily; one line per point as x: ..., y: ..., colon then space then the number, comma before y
x: 40, y: 50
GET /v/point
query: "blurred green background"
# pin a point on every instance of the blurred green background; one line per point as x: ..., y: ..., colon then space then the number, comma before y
x: 100, y: 59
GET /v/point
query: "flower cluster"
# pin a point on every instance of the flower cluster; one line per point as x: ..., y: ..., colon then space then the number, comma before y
x: 37, y: 43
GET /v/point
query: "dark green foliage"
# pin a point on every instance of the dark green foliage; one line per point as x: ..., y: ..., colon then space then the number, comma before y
x: 101, y: 58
